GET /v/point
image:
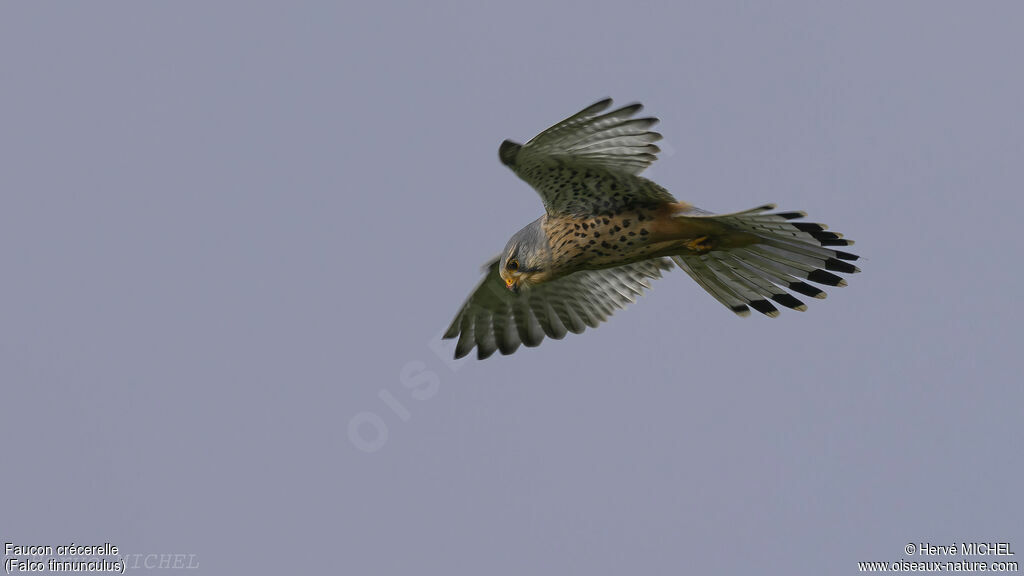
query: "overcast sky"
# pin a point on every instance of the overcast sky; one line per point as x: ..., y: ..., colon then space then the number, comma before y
x: 231, y: 234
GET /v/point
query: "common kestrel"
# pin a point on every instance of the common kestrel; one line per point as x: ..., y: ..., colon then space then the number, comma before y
x: 607, y: 231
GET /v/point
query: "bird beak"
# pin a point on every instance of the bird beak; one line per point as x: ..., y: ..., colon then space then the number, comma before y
x: 512, y: 284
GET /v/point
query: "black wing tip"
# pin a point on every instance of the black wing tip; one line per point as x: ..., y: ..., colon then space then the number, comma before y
x: 834, y: 242
x: 806, y: 289
x: 809, y: 226
x: 837, y: 265
x: 829, y: 238
x: 764, y: 307
x: 508, y: 151
x: 846, y: 255
x: 644, y: 123
x: 827, y: 278
x: 789, y: 301
x: 594, y: 109
x: 741, y: 310
x: 630, y: 109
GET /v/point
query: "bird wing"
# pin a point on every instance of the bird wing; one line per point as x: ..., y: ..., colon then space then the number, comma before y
x: 495, y: 318
x: 590, y: 162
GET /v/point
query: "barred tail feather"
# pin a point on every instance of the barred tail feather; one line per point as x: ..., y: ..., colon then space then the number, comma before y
x: 787, y: 254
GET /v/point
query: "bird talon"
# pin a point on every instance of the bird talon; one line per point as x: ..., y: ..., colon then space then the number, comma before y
x: 700, y: 245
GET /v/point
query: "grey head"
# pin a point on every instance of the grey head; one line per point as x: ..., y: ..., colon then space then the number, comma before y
x: 526, y: 259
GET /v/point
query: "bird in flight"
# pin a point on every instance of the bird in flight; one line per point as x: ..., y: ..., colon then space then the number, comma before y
x: 607, y: 231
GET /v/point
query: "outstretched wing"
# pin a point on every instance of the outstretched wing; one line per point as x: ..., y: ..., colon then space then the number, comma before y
x: 589, y: 162
x: 494, y: 318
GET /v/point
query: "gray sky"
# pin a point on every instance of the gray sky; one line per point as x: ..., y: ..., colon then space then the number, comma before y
x: 227, y: 229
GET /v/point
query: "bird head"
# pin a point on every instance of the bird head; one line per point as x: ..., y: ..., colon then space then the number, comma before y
x: 526, y: 259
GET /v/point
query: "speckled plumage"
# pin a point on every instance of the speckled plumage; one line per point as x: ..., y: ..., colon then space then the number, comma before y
x: 606, y: 231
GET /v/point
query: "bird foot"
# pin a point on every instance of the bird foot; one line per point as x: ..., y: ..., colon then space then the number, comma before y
x: 700, y: 245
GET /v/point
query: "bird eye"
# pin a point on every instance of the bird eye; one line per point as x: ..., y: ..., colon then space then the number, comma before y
x: 512, y: 265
